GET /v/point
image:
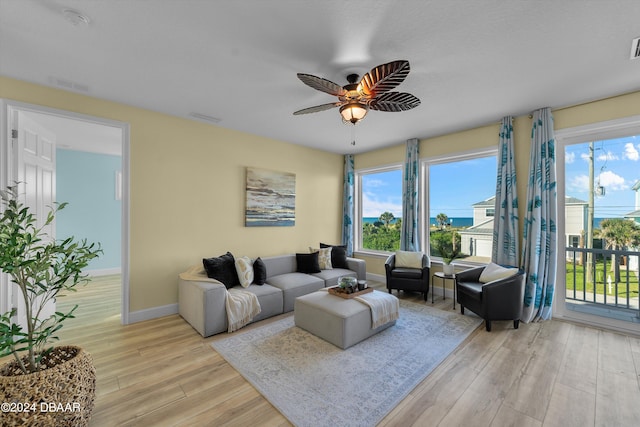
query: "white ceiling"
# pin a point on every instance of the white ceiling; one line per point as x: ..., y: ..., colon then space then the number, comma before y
x: 472, y: 62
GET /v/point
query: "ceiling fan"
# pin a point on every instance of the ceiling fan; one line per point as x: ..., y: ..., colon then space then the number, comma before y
x: 372, y: 92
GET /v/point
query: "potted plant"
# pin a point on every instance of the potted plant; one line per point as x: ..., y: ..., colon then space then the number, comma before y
x: 43, y: 384
x: 447, y: 243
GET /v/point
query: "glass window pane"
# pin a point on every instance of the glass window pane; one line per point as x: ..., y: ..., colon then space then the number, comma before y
x: 381, y: 201
x: 461, y: 207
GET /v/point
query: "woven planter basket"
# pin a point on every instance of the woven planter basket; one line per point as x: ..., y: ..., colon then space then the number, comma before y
x: 62, y: 394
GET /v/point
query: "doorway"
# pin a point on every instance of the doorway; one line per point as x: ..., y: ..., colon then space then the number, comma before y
x: 81, y: 139
x: 598, y: 257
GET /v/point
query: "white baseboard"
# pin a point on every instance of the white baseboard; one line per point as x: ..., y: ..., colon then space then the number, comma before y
x: 152, y: 313
x: 376, y: 277
x: 104, y: 271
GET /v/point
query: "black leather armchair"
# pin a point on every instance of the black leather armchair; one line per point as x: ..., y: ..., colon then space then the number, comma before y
x: 408, y: 279
x: 497, y: 300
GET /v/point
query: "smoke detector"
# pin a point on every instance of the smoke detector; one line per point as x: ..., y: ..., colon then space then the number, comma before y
x: 76, y: 18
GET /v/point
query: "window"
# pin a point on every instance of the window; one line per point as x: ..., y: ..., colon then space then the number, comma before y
x: 574, y: 241
x: 460, y: 197
x: 378, y: 223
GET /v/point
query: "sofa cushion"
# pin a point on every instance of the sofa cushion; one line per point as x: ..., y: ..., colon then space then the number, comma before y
x: 259, y: 272
x: 270, y: 299
x: 407, y: 259
x: 331, y: 277
x: 294, y: 285
x: 244, y: 270
x: 406, y: 273
x: 223, y: 269
x: 307, y: 263
x: 472, y: 289
x: 338, y: 255
x: 496, y: 272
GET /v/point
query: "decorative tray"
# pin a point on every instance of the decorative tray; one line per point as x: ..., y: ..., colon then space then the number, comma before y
x: 339, y: 292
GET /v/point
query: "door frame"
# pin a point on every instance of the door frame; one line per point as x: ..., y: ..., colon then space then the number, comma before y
x: 609, y: 129
x: 7, y: 107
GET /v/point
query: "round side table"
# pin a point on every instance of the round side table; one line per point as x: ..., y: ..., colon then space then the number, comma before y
x: 444, y: 278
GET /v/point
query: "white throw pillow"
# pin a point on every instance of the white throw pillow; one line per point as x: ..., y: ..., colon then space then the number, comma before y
x: 407, y: 259
x: 244, y: 268
x: 324, y: 258
x: 495, y: 272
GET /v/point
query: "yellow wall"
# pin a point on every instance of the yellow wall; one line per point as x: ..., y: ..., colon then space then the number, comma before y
x: 487, y: 136
x: 187, y: 191
x: 187, y: 182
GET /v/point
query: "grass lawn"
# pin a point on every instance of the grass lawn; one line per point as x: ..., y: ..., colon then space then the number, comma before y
x: 601, y: 280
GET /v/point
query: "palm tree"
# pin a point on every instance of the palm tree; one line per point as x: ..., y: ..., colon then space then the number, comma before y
x: 442, y: 220
x: 387, y: 218
x: 619, y: 234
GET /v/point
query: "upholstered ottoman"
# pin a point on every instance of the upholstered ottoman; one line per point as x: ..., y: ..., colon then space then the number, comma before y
x: 342, y: 322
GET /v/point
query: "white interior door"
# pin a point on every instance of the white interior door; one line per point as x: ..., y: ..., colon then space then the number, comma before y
x: 33, y: 152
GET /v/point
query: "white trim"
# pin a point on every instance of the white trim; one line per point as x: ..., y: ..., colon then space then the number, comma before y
x: 379, y: 169
x: 153, y: 313
x: 610, y: 129
x: 103, y: 272
x: 461, y: 155
x: 424, y: 180
x: 5, y: 175
x: 5, y: 136
x: 377, y: 278
x: 630, y: 328
x: 357, y: 200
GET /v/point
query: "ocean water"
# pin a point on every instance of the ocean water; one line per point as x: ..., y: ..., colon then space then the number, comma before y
x: 466, y: 221
x: 457, y: 221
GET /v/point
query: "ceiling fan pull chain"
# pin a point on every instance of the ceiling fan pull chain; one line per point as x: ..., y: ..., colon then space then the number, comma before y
x: 353, y: 135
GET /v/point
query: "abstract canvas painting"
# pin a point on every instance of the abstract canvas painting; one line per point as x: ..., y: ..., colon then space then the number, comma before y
x: 271, y: 198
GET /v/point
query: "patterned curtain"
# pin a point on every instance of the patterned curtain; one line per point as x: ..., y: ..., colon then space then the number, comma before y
x: 347, y: 204
x: 410, y: 235
x: 505, y: 225
x: 539, y: 242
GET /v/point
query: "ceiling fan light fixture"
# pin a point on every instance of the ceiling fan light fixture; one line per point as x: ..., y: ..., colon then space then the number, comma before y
x: 353, y: 112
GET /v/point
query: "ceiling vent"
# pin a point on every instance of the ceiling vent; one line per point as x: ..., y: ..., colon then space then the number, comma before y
x: 68, y: 84
x: 204, y: 118
x: 635, y: 48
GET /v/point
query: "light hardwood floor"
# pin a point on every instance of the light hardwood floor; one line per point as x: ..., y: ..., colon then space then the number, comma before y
x: 162, y: 372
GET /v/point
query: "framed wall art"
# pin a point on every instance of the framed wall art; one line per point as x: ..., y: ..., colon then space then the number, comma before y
x: 271, y: 198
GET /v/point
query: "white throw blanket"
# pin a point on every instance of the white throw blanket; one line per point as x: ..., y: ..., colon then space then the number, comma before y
x: 242, y: 307
x: 384, y: 307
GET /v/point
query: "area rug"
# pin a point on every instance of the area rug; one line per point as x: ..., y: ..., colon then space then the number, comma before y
x: 314, y: 383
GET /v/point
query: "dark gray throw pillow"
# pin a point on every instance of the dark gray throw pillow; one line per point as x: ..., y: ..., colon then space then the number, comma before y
x: 259, y: 272
x: 338, y: 255
x: 308, y: 263
x: 223, y: 269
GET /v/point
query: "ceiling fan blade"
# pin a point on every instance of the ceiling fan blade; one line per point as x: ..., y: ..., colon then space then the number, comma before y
x: 394, y: 101
x: 318, y: 108
x: 384, y: 77
x: 321, y: 84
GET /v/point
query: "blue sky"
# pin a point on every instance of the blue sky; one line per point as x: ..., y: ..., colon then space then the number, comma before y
x: 616, y: 168
x: 455, y: 187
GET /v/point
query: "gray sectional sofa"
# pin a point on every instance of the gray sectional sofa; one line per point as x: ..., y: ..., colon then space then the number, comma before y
x: 201, y: 300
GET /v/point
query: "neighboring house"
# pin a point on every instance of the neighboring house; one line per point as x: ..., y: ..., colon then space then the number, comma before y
x: 477, y: 239
x: 635, y: 214
x: 634, y: 265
